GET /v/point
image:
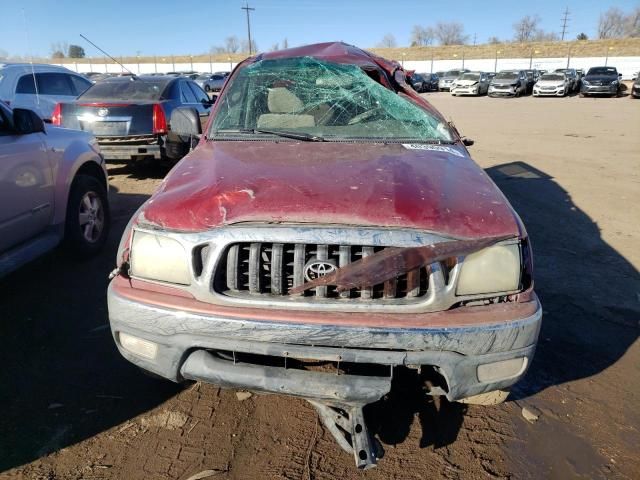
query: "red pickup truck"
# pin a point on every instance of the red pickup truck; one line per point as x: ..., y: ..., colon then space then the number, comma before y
x: 328, y: 229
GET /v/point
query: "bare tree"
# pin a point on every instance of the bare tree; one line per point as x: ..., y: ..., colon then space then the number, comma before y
x: 526, y: 28
x: 611, y: 23
x: 450, y: 33
x: 245, y: 46
x: 542, y: 36
x: 632, y: 24
x: 493, y: 40
x: 421, y: 36
x: 582, y: 36
x: 388, y: 41
x: 232, y: 44
x: 275, y: 46
x: 285, y: 43
x: 58, y: 49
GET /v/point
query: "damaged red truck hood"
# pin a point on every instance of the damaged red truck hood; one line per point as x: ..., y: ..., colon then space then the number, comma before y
x: 436, y: 188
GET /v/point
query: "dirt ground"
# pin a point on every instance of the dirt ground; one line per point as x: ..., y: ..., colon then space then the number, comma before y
x: 72, y: 408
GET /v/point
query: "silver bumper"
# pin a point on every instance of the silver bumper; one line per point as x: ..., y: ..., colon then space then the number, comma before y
x: 185, y: 342
x: 127, y: 152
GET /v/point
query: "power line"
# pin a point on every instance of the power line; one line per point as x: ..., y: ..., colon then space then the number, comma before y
x: 565, y: 19
x: 248, y: 9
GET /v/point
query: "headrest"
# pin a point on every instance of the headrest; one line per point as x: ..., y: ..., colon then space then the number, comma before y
x: 281, y: 100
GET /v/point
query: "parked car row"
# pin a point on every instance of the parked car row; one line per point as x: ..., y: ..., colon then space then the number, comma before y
x: 514, y: 83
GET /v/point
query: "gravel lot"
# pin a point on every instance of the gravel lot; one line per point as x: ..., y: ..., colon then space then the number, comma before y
x: 73, y: 408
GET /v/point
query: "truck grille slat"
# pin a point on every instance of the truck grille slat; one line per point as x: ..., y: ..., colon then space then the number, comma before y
x: 276, y: 269
x: 254, y: 268
x: 267, y: 271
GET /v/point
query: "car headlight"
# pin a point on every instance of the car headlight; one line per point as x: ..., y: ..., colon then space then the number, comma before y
x: 157, y: 257
x: 584, y: 82
x: 615, y: 82
x: 493, y: 269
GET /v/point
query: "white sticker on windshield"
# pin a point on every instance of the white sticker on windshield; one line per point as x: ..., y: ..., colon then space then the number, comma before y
x: 434, y: 148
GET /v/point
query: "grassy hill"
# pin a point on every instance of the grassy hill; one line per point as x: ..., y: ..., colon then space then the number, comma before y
x: 586, y: 48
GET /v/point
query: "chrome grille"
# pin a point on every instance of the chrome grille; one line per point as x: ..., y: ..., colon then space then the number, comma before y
x: 269, y: 270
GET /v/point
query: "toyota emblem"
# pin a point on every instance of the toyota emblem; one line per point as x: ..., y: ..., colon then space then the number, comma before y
x: 315, y: 268
x: 103, y: 112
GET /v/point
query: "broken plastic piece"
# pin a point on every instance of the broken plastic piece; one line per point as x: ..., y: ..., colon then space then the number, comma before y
x: 393, y: 261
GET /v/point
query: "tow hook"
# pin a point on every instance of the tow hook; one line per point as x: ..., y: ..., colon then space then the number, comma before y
x: 346, y: 423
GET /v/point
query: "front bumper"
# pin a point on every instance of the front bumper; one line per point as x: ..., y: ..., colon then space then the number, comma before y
x: 465, y: 91
x: 188, y: 343
x: 598, y: 89
x: 444, y: 85
x: 556, y: 92
x: 503, y: 92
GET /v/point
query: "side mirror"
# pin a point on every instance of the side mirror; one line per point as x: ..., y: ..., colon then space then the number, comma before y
x: 467, y: 142
x: 209, y: 102
x: 619, y: 75
x: 185, y: 122
x: 27, y: 121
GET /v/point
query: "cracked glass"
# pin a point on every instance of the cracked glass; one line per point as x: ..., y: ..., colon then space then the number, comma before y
x: 321, y: 100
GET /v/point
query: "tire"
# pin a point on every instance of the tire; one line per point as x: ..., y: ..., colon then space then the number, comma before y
x: 207, y: 88
x: 85, y: 237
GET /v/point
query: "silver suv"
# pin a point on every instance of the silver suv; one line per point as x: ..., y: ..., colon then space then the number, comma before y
x: 52, y: 85
x: 53, y: 187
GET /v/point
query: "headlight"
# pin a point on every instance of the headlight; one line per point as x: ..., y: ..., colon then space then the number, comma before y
x: 615, y: 82
x: 584, y: 82
x: 491, y: 270
x: 157, y: 257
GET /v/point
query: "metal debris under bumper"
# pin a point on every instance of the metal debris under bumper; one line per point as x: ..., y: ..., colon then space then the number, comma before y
x: 339, y: 399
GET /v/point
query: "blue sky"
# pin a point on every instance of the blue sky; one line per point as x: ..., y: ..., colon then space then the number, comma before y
x: 190, y: 27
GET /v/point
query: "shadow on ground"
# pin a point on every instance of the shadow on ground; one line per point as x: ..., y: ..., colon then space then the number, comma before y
x: 588, y: 290
x: 62, y: 378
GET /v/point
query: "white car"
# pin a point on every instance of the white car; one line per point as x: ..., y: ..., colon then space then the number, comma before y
x: 52, y: 85
x: 470, y: 83
x: 555, y: 84
x: 53, y: 187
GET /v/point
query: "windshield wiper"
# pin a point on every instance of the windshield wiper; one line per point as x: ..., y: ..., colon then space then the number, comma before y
x: 305, y: 137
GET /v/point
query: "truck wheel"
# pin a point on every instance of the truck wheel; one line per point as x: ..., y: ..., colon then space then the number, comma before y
x: 488, y: 398
x: 87, y: 222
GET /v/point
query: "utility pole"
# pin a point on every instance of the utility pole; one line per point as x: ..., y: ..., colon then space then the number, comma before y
x: 475, y: 37
x: 247, y: 9
x: 565, y: 19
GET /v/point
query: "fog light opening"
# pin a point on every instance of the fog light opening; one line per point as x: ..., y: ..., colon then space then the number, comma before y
x: 502, y: 370
x: 138, y: 346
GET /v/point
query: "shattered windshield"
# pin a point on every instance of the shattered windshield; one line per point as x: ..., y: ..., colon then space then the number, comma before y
x: 320, y: 100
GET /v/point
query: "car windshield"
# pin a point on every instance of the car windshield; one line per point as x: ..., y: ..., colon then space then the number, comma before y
x: 452, y: 73
x: 602, y: 71
x: 506, y: 76
x: 552, y: 76
x: 470, y: 76
x: 321, y: 99
x: 129, y: 89
x: 204, y: 76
